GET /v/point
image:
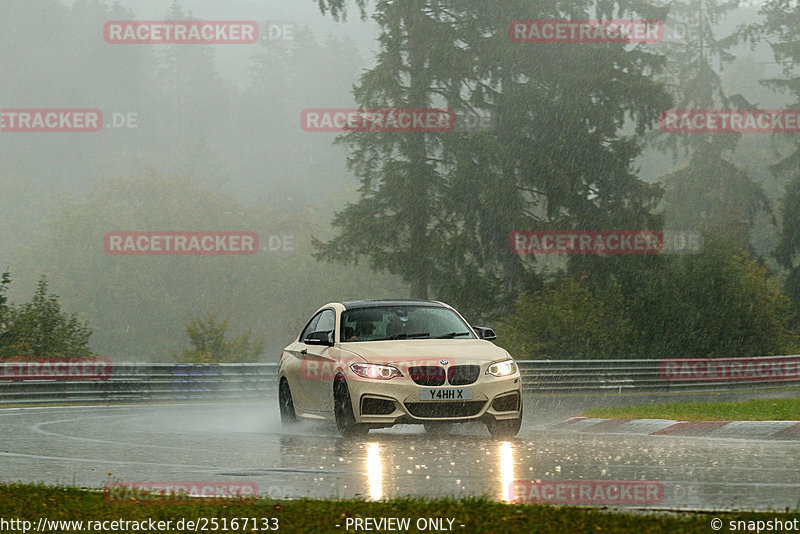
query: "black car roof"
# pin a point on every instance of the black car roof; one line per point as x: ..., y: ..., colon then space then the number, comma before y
x: 350, y: 304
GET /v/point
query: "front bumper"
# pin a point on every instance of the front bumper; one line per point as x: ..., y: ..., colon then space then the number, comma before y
x: 492, y: 397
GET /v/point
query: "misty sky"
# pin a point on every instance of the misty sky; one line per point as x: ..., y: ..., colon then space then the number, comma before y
x: 232, y: 60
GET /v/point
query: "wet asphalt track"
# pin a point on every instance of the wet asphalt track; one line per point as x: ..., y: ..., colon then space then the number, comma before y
x: 90, y: 446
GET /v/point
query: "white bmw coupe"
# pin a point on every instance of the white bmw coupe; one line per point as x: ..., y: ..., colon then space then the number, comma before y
x: 377, y: 363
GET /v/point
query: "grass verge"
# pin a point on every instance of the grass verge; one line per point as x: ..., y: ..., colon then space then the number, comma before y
x: 751, y: 410
x: 32, y: 502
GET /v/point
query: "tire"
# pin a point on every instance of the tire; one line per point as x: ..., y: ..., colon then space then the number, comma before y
x: 285, y: 404
x: 438, y: 427
x: 505, y: 429
x: 343, y: 411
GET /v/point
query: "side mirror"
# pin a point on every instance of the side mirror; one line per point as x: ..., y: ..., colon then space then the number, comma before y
x: 484, y: 332
x: 321, y: 337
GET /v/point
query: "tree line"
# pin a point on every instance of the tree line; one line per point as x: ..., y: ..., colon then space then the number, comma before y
x: 435, y: 209
x: 431, y: 212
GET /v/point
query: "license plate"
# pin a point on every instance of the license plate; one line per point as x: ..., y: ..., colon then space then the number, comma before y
x: 446, y: 394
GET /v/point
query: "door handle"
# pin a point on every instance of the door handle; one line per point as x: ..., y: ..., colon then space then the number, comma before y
x: 304, y: 352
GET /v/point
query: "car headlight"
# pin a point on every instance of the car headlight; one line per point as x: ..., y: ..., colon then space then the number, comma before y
x: 373, y: 370
x: 504, y: 368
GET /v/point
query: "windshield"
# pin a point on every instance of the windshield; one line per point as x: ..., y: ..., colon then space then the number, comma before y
x: 402, y: 322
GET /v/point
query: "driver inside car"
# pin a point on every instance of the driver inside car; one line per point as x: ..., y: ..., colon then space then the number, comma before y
x: 362, y: 329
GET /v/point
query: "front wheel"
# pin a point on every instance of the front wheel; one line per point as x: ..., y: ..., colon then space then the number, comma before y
x: 343, y: 411
x: 505, y: 429
x: 286, y: 405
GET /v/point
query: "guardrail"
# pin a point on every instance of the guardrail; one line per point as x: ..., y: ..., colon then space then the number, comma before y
x: 690, y: 375
x: 147, y: 381
x: 139, y: 382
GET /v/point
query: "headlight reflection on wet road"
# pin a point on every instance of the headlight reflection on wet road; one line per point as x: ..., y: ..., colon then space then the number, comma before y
x: 374, y: 471
x: 506, y: 471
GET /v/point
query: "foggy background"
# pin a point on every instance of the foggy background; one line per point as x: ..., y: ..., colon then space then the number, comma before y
x: 218, y: 146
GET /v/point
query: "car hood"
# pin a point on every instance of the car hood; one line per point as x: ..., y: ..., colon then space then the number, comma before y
x: 430, y: 351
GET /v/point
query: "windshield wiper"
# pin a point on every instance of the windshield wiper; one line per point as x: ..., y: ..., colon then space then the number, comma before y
x: 451, y: 335
x: 410, y: 336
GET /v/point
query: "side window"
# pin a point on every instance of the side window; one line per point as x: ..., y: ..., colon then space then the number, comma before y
x: 312, y: 326
x: 327, y: 321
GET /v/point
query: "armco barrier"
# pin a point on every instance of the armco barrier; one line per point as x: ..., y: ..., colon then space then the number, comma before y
x: 597, y: 376
x: 138, y: 382
x: 148, y: 381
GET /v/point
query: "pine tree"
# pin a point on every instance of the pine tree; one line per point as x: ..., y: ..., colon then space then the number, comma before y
x: 437, y: 208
